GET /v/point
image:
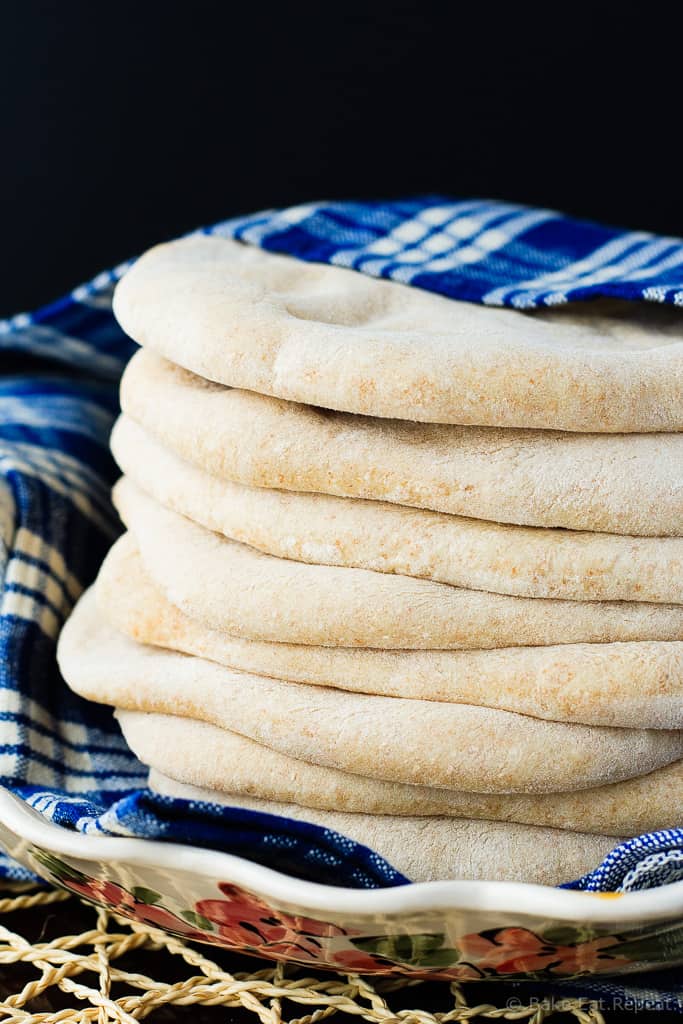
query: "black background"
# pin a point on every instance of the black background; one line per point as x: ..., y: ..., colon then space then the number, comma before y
x: 125, y: 123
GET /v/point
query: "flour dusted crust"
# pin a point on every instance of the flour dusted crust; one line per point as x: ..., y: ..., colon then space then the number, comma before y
x: 199, y: 754
x: 449, y: 746
x: 331, y: 337
x: 639, y: 684
x: 472, y: 553
x: 430, y: 849
x: 232, y: 587
x: 624, y: 484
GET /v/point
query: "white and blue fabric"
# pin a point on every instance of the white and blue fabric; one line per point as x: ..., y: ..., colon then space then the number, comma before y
x: 58, y: 398
x: 499, y: 254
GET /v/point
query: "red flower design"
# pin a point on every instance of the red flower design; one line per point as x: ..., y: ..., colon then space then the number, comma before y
x: 245, y: 920
x: 518, y: 950
x: 159, y: 917
x: 118, y: 899
x: 357, y: 960
x: 98, y: 890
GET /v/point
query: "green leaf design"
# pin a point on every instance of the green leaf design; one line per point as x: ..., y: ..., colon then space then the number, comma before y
x: 422, y: 950
x: 58, y: 868
x: 197, y: 920
x: 143, y: 895
x: 568, y: 935
x: 660, y: 945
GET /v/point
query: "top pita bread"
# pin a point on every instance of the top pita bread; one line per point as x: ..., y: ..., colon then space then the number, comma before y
x: 619, y: 483
x: 335, y: 338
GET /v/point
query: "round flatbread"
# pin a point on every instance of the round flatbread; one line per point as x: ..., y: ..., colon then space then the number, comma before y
x: 203, y: 755
x: 331, y: 337
x: 625, y: 484
x: 450, y: 746
x: 239, y: 590
x: 471, y: 553
x: 431, y: 849
x: 638, y: 685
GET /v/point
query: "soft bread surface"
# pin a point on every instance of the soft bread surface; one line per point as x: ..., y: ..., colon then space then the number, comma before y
x: 217, y: 759
x: 430, y: 849
x: 471, y: 553
x: 626, y: 484
x: 235, y: 588
x: 332, y: 337
x: 637, y: 684
x: 450, y: 746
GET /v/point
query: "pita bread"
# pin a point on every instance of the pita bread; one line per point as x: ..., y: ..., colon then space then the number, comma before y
x: 472, y: 553
x: 329, y: 336
x: 239, y: 590
x: 450, y: 746
x: 639, y: 685
x: 625, y: 484
x: 204, y: 755
x: 431, y: 849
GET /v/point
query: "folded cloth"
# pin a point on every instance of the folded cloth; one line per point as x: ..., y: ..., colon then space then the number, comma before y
x: 66, y: 757
x: 477, y: 250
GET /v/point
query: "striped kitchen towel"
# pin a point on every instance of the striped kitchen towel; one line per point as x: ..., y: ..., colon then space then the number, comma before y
x: 66, y: 757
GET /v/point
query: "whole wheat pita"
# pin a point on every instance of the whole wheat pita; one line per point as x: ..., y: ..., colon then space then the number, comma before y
x: 237, y: 589
x: 430, y: 849
x: 472, y: 553
x: 638, y: 685
x: 204, y: 755
x: 450, y: 746
x: 625, y: 484
x: 332, y: 337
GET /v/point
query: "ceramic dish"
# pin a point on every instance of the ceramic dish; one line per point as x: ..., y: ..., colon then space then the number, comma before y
x: 452, y: 930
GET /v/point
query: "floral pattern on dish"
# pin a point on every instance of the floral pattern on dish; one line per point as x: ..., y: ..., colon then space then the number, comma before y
x: 237, y: 919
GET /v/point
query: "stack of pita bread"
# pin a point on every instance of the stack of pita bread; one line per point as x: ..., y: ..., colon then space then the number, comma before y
x: 406, y: 567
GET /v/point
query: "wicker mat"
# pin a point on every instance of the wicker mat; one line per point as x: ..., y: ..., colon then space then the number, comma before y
x: 64, y: 961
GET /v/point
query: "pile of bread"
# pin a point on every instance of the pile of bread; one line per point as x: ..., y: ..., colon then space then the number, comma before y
x: 403, y: 566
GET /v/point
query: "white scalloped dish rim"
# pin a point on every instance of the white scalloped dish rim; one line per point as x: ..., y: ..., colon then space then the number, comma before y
x: 454, y: 908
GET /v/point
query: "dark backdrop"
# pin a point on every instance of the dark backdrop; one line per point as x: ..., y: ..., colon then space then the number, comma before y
x: 124, y: 123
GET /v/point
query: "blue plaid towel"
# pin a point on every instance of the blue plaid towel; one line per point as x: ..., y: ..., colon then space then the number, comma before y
x: 58, y: 399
